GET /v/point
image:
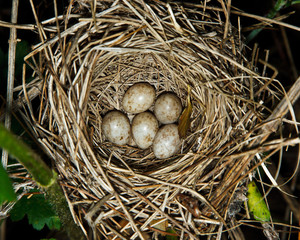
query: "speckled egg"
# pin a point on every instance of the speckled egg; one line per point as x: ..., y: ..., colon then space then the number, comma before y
x: 144, y: 128
x: 116, y: 127
x: 166, y: 142
x: 167, y: 108
x: 138, y: 98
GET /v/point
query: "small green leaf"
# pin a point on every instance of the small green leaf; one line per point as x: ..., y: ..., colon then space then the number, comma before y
x: 170, y: 237
x: 38, y: 211
x: 54, y: 223
x: 7, y: 192
x: 256, y: 204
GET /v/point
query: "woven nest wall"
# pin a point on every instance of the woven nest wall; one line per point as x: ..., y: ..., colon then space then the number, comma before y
x: 83, y: 66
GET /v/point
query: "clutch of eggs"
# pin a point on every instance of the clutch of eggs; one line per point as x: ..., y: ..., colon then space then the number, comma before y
x: 144, y: 127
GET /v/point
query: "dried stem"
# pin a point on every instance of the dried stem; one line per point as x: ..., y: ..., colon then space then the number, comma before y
x: 11, y: 72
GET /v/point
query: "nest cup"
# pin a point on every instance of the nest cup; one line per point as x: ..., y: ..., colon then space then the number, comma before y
x: 82, y: 71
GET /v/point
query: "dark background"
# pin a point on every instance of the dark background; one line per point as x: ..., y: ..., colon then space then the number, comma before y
x: 271, y: 39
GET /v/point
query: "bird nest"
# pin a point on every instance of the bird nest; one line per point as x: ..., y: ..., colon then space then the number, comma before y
x: 83, y: 66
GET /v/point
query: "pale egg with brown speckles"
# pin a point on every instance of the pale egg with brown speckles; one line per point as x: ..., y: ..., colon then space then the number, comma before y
x: 138, y: 98
x: 167, y: 108
x: 166, y: 142
x: 116, y: 127
x: 144, y: 128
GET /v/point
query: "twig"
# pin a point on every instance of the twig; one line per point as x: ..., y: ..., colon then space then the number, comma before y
x: 265, y: 19
x: 227, y: 19
x: 11, y: 73
x: 289, y: 51
x: 283, y: 107
x: 258, y: 18
x: 17, y: 26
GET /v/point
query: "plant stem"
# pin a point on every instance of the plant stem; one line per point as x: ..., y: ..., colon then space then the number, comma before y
x: 44, y: 176
x: 11, y: 72
x: 277, y: 7
x: 59, y: 204
x: 41, y: 173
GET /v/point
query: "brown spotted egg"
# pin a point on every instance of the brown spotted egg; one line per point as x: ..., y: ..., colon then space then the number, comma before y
x: 138, y: 98
x: 144, y: 128
x: 116, y: 127
x: 166, y: 142
x: 167, y: 108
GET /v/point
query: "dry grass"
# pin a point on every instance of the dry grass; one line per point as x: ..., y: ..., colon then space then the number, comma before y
x: 83, y: 65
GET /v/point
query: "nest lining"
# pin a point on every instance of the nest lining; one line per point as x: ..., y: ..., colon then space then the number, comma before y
x: 84, y: 72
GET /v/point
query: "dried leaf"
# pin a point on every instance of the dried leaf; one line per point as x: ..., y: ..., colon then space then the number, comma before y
x: 159, y: 224
x: 185, y: 118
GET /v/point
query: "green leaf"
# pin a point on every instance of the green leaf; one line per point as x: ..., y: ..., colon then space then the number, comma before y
x: 256, y: 204
x: 7, y: 192
x: 54, y: 223
x: 170, y: 237
x: 38, y: 211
